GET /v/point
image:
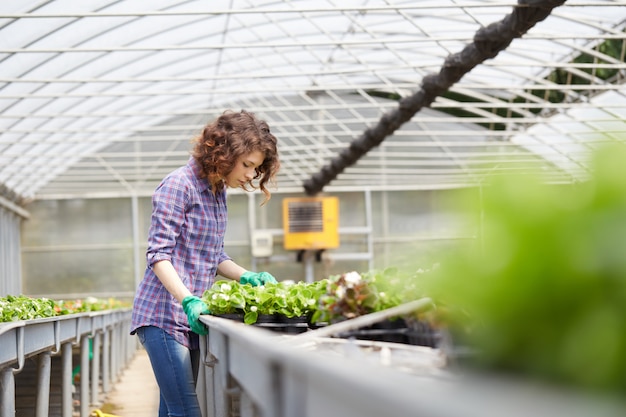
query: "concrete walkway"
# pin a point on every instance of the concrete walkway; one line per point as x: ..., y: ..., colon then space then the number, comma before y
x: 136, y: 393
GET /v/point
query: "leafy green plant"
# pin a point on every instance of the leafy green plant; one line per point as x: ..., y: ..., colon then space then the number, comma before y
x: 355, y: 294
x: 347, y: 296
x: 337, y: 298
x: 15, y: 308
x: 21, y: 307
x: 286, y: 298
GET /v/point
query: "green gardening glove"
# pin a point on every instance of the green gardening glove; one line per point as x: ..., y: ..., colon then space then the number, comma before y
x: 257, y: 278
x: 193, y: 307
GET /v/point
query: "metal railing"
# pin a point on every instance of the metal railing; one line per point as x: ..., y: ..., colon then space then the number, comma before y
x: 250, y: 371
x: 81, y: 355
x: 253, y: 372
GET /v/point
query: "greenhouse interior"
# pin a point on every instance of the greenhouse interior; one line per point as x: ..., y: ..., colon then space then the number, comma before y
x: 446, y: 229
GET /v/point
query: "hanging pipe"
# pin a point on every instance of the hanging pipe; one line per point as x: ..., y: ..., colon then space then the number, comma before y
x: 488, y: 42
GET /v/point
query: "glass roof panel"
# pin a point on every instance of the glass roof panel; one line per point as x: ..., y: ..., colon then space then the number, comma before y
x: 102, y: 97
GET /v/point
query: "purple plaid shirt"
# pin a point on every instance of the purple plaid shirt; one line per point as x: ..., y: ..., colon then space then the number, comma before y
x: 187, y: 228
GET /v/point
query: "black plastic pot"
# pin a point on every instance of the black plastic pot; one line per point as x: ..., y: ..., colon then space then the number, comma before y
x: 268, y: 318
x: 397, y: 330
x: 231, y: 316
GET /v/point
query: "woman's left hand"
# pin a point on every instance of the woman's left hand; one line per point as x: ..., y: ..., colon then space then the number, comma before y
x: 257, y: 278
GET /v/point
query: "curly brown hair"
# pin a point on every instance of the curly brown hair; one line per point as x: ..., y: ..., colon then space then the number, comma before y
x: 229, y: 137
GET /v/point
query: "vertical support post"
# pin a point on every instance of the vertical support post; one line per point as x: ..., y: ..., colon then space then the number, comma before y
x: 121, y: 349
x: 370, y: 227
x: 44, y: 366
x: 384, y: 214
x: 218, y: 348
x: 106, y: 357
x: 130, y: 345
x: 115, y: 352
x: 7, y: 383
x: 84, y: 376
x: 137, y: 258
x: 307, y: 260
x: 66, y: 380
x: 119, y: 344
x: 201, y: 380
x: 251, y: 228
x: 208, y: 361
x: 95, y: 368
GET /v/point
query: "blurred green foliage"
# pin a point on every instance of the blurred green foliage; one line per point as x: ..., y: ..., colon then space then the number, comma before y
x: 543, y: 292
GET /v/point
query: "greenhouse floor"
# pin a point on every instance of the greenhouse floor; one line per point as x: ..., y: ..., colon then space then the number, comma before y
x: 136, y: 393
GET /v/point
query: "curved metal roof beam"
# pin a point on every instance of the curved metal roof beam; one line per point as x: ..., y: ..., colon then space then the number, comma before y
x: 488, y: 43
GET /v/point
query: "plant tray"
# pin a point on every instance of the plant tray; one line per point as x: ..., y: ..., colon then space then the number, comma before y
x: 397, y: 331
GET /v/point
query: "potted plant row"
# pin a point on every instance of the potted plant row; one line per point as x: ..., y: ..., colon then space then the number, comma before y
x: 22, y: 307
x: 354, y: 294
x: 286, y: 304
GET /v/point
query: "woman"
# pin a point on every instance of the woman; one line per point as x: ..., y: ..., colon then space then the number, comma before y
x: 186, y: 249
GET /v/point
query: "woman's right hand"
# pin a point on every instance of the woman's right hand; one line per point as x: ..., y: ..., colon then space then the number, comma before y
x: 194, y: 307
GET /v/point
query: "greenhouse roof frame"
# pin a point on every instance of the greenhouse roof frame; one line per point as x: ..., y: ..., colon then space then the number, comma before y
x: 101, y: 98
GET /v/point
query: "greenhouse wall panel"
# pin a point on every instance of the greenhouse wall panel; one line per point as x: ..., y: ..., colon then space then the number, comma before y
x: 10, y: 272
x: 82, y: 247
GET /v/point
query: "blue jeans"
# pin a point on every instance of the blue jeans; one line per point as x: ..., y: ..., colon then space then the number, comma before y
x: 175, y: 369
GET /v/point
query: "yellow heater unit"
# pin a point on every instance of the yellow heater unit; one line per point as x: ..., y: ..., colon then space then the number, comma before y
x: 311, y: 222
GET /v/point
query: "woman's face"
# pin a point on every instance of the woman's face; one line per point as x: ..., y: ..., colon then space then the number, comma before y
x: 245, y: 169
